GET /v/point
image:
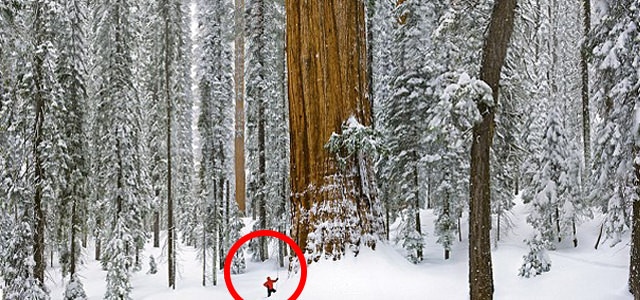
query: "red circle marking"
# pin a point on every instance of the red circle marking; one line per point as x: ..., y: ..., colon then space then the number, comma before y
x: 259, y: 233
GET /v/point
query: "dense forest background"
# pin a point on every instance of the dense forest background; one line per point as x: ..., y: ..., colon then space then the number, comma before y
x: 168, y: 120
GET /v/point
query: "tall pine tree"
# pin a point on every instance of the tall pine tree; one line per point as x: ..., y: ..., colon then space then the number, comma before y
x: 120, y: 170
x: 615, y: 45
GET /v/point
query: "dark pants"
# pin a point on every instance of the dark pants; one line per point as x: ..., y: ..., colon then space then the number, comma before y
x: 269, y: 291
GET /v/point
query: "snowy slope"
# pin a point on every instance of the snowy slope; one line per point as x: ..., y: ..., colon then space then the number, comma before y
x: 577, y: 273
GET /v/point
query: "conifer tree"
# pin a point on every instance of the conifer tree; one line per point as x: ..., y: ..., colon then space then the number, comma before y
x: 266, y: 116
x: 380, y: 45
x: 17, y: 111
x: 551, y: 169
x: 549, y: 192
x: 259, y: 89
x: 493, y: 55
x: 71, y: 74
x: 18, y: 265
x: 613, y: 180
x: 120, y: 170
x: 449, y: 118
x: 75, y: 289
x: 215, y: 90
x: 176, y: 120
x: 402, y: 112
x: 42, y: 90
x: 615, y: 45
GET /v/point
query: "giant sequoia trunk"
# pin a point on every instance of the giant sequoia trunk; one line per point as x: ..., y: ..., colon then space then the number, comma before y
x: 327, y: 68
x: 494, y: 53
x: 239, y: 91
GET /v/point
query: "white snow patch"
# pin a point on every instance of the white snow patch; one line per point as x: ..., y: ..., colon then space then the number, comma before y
x: 576, y: 273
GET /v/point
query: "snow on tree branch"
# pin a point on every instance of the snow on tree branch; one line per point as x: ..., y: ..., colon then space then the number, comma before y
x: 354, y: 139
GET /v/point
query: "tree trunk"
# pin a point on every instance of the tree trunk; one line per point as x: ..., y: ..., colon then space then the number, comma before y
x: 459, y: 230
x: 446, y: 212
x: 137, y: 257
x: 171, y: 255
x: 74, y: 231
x: 557, y: 219
x: 97, y: 238
x: 417, y: 207
x: 214, y: 259
x: 282, y: 214
x: 387, y: 223
x: 262, y: 160
x: 239, y: 90
x: 599, y: 237
x: 370, y: 9
x: 327, y: 65
x: 403, y: 18
x: 156, y: 228
x: 225, y: 221
x: 97, y: 248
x: 429, y: 204
x: 494, y: 53
x: 498, y: 224
x: 584, y: 72
x: 219, y: 206
x: 634, y: 265
x: 575, y: 236
x: 119, y: 185
x: 38, y: 213
x: 204, y: 252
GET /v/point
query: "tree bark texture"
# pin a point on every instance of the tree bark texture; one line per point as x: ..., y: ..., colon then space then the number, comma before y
x: 75, y: 226
x: 204, y: 252
x: 494, y: 53
x: 419, y: 254
x: 216, y: 228
x: 634, y: 265
x: 156, y: 227
x: 584, y: 72
x: 327, y: 65
x: 171, y: 255
x: 219, y: 210
x: 38, y: 213
x: 260, y: 197
x: 239, y: 91
x: 170, y: 227
x: 98, y: 238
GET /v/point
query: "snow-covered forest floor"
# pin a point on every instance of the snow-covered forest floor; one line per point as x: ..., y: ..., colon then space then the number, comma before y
x: 576, y: 273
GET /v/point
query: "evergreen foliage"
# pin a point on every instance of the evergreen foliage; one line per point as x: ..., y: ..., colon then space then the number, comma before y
x: 18, y: 264
x: 153, y: 267
x: 537, y: 260
x: 91, y: 91
x: 75, y: 289
x: 71, y: 75
x: 215, y: 123
x: 401, y: 124
x: 120, y: 169
x: 267, y: 133
x: 614, y: 44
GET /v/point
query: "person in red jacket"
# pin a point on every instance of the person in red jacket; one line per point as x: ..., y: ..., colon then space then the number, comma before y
x: 269, y: 285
